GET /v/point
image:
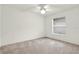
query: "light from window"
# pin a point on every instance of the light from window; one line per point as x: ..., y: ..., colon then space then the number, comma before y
x: 59, y: 25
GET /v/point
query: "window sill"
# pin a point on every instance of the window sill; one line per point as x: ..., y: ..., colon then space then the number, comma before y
x: 57, y: 34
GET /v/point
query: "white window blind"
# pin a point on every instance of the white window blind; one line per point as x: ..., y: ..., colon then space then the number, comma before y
x: 59, y: 25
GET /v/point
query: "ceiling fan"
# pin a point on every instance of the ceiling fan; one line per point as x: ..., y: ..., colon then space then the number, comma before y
x: 42, y: 8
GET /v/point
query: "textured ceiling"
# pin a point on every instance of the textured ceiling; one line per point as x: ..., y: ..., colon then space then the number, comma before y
x: 50, y: 8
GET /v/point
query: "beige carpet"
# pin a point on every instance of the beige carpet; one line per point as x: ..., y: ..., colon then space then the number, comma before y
x: 40, y: 46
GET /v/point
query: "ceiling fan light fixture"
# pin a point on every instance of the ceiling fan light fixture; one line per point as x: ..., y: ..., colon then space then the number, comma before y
x: 43, y: 11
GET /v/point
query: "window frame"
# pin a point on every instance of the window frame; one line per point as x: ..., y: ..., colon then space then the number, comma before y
x: 64, y: 26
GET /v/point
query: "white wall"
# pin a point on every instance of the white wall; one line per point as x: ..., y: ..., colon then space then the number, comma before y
x: 21, y: 25
x: 0, y: 25
x: 72, y: 30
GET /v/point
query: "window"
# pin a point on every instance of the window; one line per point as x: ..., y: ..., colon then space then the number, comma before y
x: 59, y: 25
